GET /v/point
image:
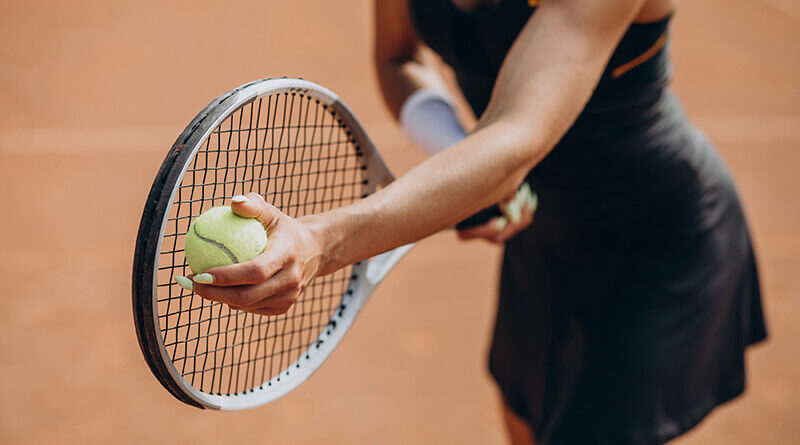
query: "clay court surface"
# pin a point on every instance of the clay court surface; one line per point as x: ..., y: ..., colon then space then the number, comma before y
x: 92, y: 94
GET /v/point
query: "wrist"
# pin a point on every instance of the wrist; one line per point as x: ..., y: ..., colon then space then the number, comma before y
x: 322, y: 241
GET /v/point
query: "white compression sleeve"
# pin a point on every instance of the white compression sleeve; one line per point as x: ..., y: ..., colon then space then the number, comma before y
x: 430, y: 121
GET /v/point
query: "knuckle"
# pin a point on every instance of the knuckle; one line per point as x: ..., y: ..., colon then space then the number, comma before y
x: 259, y: 272
x: 293, y: 281
x: 290, y: 256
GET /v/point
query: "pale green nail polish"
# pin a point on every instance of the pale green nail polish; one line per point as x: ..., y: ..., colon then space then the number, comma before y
x: 184, y: 282
x: 513, y: 211
x: 526, y: 189
x: 239, y: 199
x: 501, y: 223
x: 204, y: 278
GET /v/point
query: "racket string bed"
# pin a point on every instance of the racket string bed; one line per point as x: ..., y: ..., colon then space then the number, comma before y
x: 290, y: 149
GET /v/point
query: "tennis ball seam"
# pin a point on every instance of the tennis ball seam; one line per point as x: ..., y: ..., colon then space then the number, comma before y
x: 221, y: 246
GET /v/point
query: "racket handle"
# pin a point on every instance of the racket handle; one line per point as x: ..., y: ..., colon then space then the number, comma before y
x: 480, y: 218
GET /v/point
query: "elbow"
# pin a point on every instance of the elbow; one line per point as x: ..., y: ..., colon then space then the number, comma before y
x: 524, y: 142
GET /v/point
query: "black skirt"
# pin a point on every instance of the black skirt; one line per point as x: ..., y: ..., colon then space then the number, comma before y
x: 625, y: 309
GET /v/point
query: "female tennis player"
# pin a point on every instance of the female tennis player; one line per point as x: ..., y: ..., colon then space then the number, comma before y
x: 626, y: 307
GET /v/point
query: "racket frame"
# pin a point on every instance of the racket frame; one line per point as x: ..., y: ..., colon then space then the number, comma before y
x: 366, y: 275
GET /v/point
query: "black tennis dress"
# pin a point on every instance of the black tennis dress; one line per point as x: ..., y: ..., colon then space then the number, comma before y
x: 626, y: 307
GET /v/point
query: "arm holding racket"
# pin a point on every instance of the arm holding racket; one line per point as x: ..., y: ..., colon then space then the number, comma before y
x: 540, y: 90
x: 212, y: 356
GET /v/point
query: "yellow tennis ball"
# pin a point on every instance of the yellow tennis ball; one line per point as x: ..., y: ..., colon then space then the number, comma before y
x: 219, y: 237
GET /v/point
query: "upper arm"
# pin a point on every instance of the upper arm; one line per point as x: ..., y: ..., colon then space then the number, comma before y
x: 554, y: 65
x: 395, y: 38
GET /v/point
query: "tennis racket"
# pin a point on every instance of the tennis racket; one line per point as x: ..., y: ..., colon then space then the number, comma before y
x: 299, y: 146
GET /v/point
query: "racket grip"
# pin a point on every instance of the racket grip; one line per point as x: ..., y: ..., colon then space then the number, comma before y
x: 480, y: 218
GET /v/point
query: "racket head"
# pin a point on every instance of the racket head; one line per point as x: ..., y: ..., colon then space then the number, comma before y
x: 287, y: 133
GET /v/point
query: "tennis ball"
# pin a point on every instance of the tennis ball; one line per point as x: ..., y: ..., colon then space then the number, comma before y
x: 219, y: 237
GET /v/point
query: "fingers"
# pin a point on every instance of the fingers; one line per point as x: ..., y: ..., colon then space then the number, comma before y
x: 283, y: 285
x: 512, y: 209
x: 260, y: 268
x: 276, y: 305
x: 513, y: 206
x: 486, y: 231
x: 518, y: 212
x: 255, y: 271
x: 253, y: 205
x: 268, y: 284
x: 497, y: 230
x: 529, y: 197
x: 526, y: 218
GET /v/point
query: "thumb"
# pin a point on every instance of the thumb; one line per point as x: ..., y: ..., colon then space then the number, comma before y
x: 253, y: 205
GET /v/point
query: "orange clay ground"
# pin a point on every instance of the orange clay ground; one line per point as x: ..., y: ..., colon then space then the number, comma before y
x: 92, y: 94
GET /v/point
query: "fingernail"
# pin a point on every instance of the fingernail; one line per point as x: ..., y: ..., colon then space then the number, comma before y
x: 526, y: 189
x: 521, y: 199
x: 513, y: 211
x: 501, y: 223
x: 239, y: 199
x: 204, y: 278
x: 184, y: 283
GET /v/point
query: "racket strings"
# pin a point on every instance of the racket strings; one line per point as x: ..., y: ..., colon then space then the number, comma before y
x: 294, y: 151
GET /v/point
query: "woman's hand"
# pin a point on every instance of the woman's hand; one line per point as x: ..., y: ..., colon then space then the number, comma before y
x: 270, y: 283
x: 518, y: 210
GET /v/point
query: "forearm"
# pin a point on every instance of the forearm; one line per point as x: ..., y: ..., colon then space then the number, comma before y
x: 445, y: 189
x: 545, y: 81
x: 539, y: 92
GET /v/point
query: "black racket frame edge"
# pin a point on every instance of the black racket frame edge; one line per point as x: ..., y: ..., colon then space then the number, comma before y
x: 149, y: 231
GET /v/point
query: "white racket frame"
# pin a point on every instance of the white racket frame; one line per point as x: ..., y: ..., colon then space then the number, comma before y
x: 368, y: 273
